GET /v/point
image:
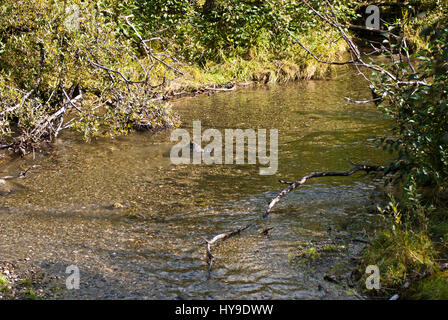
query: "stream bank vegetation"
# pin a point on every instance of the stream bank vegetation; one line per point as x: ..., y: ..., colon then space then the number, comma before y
x: 413, y: 253
x: 104, y: 68
x: 411, y: 90
x: 410, y: 87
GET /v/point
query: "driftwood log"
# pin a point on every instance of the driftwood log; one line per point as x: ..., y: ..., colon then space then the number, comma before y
x: 220, y: 89
x: 221, y: 236
x: 294, y: 185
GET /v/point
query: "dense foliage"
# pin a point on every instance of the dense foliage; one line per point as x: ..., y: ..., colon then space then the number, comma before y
x: 94, y: 66
x: 420, y: 112
x: 214, y: 29
x: 417, y: 241
x: 67, y: 69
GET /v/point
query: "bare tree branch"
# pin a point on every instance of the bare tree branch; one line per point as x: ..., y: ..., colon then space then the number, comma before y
x: 332, y: 20
x: 222, y: 237
x: 294, y: 185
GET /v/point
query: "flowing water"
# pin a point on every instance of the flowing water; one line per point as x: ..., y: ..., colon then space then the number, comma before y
x: 133, y: 223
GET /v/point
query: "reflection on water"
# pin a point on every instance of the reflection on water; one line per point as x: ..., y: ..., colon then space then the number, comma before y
x: 133, y: 223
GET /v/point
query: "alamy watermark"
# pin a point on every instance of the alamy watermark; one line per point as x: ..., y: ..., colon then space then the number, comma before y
x: 373, y: 20
x: 71, y: 22
x: 72, y: 281
x: 373, y: 280
x: 190, y: 150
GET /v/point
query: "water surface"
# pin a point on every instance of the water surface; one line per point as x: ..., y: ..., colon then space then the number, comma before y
x: 133, y: 222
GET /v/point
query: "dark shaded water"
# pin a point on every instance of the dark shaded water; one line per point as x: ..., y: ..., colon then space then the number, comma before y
x: 133, y: 223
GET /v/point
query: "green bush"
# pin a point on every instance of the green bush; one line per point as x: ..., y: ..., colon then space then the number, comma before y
x: 420, y: 114
x: 215, y: 30
x: 55, y: 53
x: 94, y: 66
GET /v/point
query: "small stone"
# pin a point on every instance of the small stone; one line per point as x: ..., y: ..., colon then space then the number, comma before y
x: 331, y: 278
x: 121, y: 205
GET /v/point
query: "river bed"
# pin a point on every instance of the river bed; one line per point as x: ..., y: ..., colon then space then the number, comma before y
x: 133, y: 222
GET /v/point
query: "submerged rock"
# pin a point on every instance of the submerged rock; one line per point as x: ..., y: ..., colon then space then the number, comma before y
x: 121, y: 205
x: 5, y: 187
x: 194, y: 148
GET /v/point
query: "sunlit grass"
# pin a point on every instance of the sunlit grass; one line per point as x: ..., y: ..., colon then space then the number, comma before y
x: 434, y: 287
x: 264, y: 66
x: 3, y: 284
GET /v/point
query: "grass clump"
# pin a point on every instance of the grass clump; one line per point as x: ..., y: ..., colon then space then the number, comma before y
x: 411, y: 252
x: 4, y: 284
x: 434, y: 287
x: 29, y: 294
x: 27, y: 282
x: 399, y: 254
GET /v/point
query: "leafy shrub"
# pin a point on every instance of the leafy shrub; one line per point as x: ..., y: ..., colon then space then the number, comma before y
x: 96, y: 71
x: 215, y: 30
x: 420, y: 114
x: 84, y: 75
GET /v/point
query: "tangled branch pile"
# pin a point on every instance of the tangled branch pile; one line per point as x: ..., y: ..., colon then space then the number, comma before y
x: 72, y: 67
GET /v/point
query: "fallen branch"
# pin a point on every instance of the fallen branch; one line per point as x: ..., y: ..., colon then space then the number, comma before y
x: 363, y: 101
x: 360, y: 240
x: 293, y: 185
x: 330, y: 17
x: 266, y: 231
x: 222, y: 236
x: 22, y: 174
x: 376, y: 97
x: 362, y: 28
x: 220, y: 89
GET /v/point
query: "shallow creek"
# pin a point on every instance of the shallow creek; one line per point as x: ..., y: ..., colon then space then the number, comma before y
x: 133, y: 222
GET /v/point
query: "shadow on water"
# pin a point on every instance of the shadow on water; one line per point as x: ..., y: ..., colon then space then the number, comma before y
x: 133, y: 222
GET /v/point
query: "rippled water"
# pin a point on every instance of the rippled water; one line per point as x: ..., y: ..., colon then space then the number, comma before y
x: 133, y: 222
